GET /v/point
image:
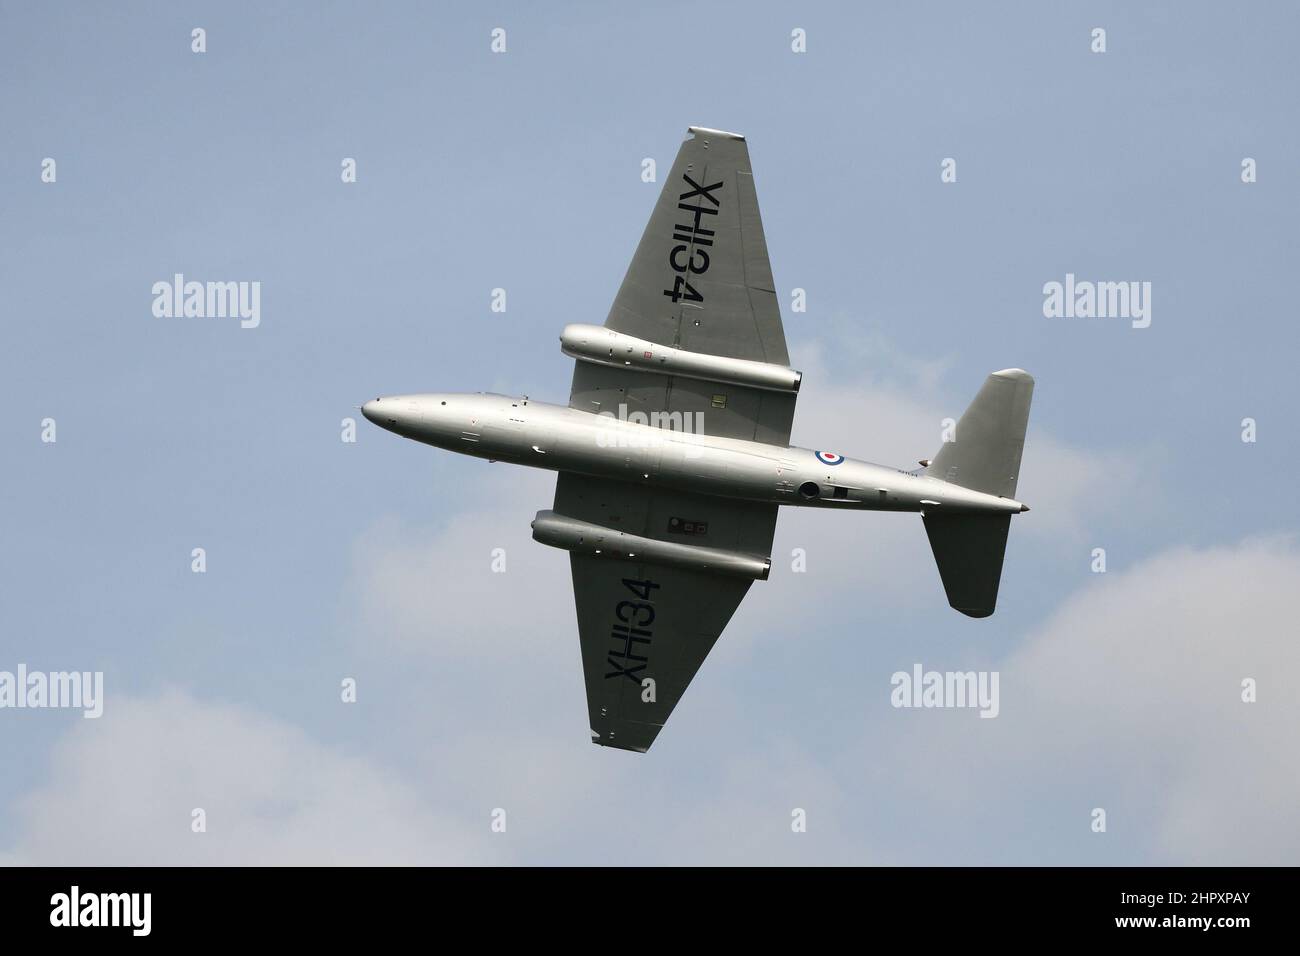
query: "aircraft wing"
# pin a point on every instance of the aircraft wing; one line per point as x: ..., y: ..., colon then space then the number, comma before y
x: 638, y: 620
x: 700, y: 280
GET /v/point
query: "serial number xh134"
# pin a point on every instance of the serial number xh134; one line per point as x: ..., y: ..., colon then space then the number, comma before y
x: 667, y: 527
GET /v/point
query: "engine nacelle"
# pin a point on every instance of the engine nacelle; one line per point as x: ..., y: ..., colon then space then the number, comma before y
x: 583, y: 537
x: 595, y: 343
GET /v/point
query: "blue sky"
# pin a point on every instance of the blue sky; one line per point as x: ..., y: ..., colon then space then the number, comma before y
x: 522, y: 170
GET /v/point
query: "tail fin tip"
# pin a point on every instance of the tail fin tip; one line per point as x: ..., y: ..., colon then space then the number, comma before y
x: 1019, y: 374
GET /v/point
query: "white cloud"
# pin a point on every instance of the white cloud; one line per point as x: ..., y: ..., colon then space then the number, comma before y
x: 121, y: 793
x: 433, y: 590
x: 1129, y: 698
x: 122, y: 788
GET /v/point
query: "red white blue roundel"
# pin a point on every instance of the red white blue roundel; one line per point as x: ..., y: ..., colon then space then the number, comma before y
x: 828, y: 457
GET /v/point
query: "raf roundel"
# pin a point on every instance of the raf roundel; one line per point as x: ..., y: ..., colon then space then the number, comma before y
x: 829, y: 457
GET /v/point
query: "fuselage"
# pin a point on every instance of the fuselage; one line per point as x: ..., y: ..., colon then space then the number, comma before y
x: 541, y: 435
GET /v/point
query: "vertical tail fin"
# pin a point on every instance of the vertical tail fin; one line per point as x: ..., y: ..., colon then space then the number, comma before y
x: 985, y: 452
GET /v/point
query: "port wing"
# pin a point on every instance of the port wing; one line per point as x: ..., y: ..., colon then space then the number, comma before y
x: 638, y: 620
x: 700, y: 280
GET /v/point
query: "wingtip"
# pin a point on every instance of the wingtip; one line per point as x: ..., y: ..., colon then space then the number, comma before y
x: 629, y: 748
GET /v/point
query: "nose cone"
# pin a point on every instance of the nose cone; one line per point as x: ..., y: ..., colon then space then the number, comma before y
x: 393, y: 414
x: 403, y: 414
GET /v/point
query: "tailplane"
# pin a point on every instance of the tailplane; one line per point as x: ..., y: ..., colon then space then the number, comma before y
x: 968, y: 549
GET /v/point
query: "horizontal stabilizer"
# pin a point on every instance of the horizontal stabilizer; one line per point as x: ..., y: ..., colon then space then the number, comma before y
x: 969, y: 549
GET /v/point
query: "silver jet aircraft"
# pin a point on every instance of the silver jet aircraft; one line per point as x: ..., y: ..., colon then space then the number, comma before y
x: 673, y: 454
